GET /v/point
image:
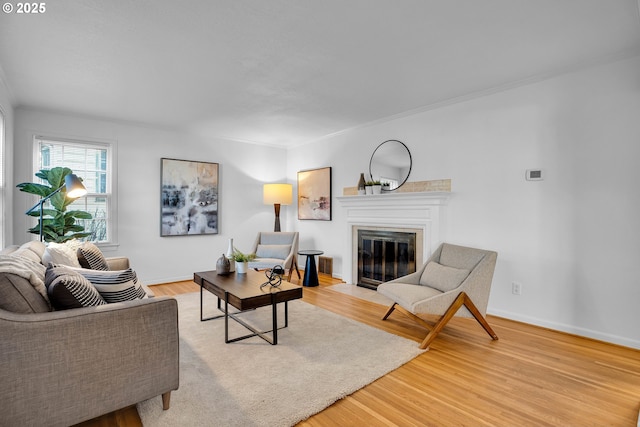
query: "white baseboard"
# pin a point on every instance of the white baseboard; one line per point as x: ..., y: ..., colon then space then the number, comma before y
x: 583, y: 332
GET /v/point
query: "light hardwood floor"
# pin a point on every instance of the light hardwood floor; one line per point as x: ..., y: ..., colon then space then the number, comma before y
x: 531, y: 376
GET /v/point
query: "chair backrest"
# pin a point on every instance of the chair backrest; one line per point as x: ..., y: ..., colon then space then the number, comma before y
x: 481, y: 264
x: 278, y: 238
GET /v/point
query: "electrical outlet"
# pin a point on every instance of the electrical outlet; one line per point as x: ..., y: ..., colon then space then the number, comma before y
x: 516, y: 288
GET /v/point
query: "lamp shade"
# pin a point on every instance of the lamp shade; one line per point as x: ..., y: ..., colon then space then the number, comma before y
x: 277, y: 194
x: 74, y: 186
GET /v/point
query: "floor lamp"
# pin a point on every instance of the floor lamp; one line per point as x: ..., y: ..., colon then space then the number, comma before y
x: 276, y: 195
x: 74, y: 188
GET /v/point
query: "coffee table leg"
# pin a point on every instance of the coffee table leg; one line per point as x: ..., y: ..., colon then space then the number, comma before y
x: 274, y: 307
x: 226, y: 317
x: 286, y: 314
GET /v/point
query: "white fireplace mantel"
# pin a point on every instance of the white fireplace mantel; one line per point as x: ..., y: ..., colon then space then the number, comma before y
x: 412, y: 210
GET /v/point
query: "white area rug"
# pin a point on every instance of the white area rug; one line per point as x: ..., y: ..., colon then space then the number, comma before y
x: 320, y: 358
x: 362, y: 293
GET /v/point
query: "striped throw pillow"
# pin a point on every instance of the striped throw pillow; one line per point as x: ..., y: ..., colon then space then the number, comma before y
x: 115, y: 286
x: 69, y: 289
x: 90, y: 256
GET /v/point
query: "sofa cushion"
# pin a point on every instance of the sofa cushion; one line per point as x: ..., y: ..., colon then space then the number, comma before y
x: 115, y: 286
x: 442, y: 277
x: 69, y: 289
x: 273, y: 251
x: 91, y: 257
x: 60, y: 254
x: 18, y: 295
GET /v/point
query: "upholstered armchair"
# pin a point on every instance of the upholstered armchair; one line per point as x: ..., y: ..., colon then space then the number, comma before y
x: 455, y: 281
x: 276, y: 248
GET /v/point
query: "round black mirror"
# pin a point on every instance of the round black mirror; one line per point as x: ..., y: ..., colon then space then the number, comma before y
x: 390, y: 164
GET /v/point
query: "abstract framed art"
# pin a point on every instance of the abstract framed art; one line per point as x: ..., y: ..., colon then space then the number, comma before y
x: 314, y: 194
x: 189, y: 197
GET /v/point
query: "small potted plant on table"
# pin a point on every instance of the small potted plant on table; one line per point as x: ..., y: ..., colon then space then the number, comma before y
x: 242, y: 261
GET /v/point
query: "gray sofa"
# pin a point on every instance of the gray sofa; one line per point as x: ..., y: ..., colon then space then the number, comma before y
x: 60, y: 368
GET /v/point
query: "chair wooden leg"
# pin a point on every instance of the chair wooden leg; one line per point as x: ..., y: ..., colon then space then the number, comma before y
x: 415, y: 318
x: 294, y: 264
x: 166, y: 398
x: 388, y: 313
x: 462, y: 299
x: 451, y: 311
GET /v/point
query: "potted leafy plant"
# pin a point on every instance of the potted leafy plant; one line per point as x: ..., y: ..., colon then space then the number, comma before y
x: 376, y: 186
x: 242, y: 260
x: 368, y: 187
x: 58, y: 224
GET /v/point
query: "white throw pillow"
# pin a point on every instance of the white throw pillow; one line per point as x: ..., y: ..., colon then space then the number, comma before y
x: 442, y: 277
x: 273, y: 251
x: 60, y: 254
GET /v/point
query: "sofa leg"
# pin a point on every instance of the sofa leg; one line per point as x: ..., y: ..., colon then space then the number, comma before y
x: 166, y: 398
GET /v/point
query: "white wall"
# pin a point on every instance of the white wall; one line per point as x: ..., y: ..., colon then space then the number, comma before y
x: 243, y: 170
x: 572, y: 240
x: 7, y: 201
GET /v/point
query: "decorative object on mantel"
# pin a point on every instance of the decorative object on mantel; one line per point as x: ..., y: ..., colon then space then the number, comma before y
x: 314, y: 194
x: 368, y: 188
x: 391, y: 162
x: 361, y: 185
x: 410, y: 187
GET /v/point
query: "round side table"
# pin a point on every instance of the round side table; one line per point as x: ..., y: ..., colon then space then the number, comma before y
x: 310, y: 270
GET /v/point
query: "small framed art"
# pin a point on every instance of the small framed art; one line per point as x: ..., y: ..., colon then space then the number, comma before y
x: 314, y: 194
x: 189, y: 197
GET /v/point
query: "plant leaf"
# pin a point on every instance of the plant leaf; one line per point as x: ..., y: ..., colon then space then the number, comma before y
x: 34, y: 188
x: 79, y: 214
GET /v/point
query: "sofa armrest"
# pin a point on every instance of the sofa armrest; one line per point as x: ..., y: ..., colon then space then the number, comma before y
x: 118, y: 263
x: 64, y: 367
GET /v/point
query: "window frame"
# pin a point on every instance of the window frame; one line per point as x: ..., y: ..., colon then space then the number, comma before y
x: 111, y: 182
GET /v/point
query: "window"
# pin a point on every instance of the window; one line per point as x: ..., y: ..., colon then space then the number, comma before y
x: 93, y: 162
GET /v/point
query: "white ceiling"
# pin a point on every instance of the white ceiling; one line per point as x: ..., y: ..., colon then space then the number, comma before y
x: 286, y: 72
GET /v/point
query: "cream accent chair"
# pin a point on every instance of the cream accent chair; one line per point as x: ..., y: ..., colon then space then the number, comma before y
x: 276, y: 248
x: 455, y: 281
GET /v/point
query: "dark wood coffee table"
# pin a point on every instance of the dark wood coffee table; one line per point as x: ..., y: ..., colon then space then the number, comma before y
x: 243, y: 292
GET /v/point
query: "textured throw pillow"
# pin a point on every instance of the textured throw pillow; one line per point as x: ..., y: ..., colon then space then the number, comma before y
x: 90, y: 256
x: 442, y: 277
x: 69, y: 289
x: 115, y: 286
x: 273, y: 251
x: 60, y: 254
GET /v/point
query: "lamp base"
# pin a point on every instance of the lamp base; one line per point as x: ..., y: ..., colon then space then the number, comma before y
x: 276, y: 208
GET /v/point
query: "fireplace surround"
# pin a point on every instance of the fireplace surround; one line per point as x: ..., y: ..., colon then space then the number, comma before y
x: 421, y: 213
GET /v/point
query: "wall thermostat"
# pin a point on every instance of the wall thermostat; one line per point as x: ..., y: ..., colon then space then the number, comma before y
x: 534, y: 175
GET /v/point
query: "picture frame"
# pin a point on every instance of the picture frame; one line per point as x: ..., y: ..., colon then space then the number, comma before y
x: 314, y: 194
x: 189, y: 203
